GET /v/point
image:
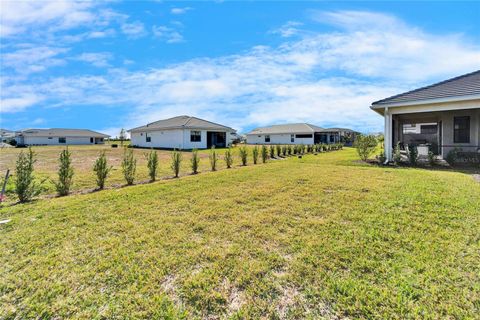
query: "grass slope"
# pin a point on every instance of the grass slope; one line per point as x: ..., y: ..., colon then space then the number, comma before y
x: 321, y: 236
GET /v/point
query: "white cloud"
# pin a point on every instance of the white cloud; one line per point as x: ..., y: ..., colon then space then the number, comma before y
x: 289, y: 29
x: 98, y: 59
x: 33, y: 59
x: 167, y: 34
x: 180, y: 10
x: 134, y: 30
x: 18, y: 103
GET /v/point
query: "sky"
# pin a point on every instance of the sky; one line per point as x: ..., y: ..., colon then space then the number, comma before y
x: 112, y: 65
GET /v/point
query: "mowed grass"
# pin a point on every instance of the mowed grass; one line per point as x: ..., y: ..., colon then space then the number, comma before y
x: 83, y: 159
x: 319, y: 237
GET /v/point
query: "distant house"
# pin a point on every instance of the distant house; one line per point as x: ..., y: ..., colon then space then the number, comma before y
x: 437, y: 118
x: 6, y: 135
x: 41, y: 137
x: 299, y: 133
x: 182, y: 132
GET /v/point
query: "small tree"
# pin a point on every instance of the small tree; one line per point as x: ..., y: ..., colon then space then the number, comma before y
x: 243, y: 155
x: 255, y: 155
x: 365, y: 146
x: 129, y: 166
x: 213, y: 158
x: 264, y: 154
x: 195, y: 161
x: 272, y: 151
x: 101, y: 170
x: 284, y: 151
x: 122, y: 136
x: 176, y: 162
x: 397, y: 156
x: 431, y: 158
x: 65, y: 173
x: 412, y: 154
x: 152, y: 164
x: 25, y: 186
x: 279, y: 150
x: 228, y: 158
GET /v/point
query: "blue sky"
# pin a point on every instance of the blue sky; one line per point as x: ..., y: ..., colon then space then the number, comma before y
x: 108, y: 65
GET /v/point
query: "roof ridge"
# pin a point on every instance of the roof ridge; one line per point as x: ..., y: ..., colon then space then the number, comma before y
x: 428, y: 86
x: 218, y: 124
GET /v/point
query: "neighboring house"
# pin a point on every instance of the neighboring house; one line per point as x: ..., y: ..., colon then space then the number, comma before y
x: 41, y: 137
x: 298, y: 133
x: 6, y: 135
x: 439, y: 117
x: 183, y: 133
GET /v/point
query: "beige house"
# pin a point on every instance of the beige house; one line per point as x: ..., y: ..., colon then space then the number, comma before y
x: 439, y: 117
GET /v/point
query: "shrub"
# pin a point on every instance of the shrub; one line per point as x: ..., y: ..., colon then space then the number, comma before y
x: 272, y: 151
x: 195, y: 161
x: 25, y: 186
x: 412, y: 155
x: 65, y: 173
x: 452, y: 156
x: 397, y: 156
x: 228, y: 158
x: 129, y: 166
x: 431, y: 158
x: 152, y: 165
x: 279, y: 150
x: 243, y: 155
x: 284, y: 151
x: 176, y: 162
x: 213, y: 158
x: 289, y: 150
x: 101, y: 169
x: 264, y: 154
x: 381, y: 157
x: 365, y: 146
x: 255, y: 155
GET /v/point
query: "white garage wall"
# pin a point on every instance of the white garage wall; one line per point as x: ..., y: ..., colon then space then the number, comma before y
x: 172, y: 139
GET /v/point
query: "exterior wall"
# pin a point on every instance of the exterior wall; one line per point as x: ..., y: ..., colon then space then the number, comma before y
x: 277, y: 139
x: 54, y: 141
x: 173, y: 139
x: 447, y: 131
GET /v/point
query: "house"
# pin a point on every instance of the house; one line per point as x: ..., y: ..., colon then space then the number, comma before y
x: 182, y: 132
x: 439, y: 117
x: 6, y: 135
x: 298, y: 133
x: 55, y: 136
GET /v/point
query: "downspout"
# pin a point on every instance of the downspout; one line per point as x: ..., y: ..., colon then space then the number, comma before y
x: 387, y: 153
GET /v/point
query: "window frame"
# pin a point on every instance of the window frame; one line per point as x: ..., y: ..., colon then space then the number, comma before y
x: 304, y: 136
x: 195, y: 136
x: 457, y: 137
x: 148, y: 138
x: 267, y: 138
x: 292, y: 138
x: 62, y: 140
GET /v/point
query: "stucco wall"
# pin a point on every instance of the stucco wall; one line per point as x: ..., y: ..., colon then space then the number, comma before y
x: 277, y: 139
x: 54, y: 141
x: 173, y: 139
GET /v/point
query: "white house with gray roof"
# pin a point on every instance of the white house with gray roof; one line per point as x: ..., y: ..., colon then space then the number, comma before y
x: 183, y: 133
x: 57, y: 136
x: 439, y: 117
x: 297, y: 133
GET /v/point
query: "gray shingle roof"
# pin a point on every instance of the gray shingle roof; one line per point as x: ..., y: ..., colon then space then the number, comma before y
x: 59, y: 132
x: 287, y: 128
x: 181, y: 122
x: 464, y: 85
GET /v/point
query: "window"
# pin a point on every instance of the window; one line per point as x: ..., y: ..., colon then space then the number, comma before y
x: 195, y: 136
x: 147, y: 138
x: 292, y: 138
x: 461, y: 129
x: 91, y: 140
x: 62, y: 140
x: 428, y: 129
x: 298, y: 136
x: 50, y: 138
x: 267, y: 138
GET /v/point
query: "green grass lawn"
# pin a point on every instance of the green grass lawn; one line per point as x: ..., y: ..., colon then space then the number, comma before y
x: 319, y: 237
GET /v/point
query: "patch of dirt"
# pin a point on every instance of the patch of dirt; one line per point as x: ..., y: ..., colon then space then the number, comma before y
x: 476, y: 177
x: 236, y: 297
x: 168, y: 285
